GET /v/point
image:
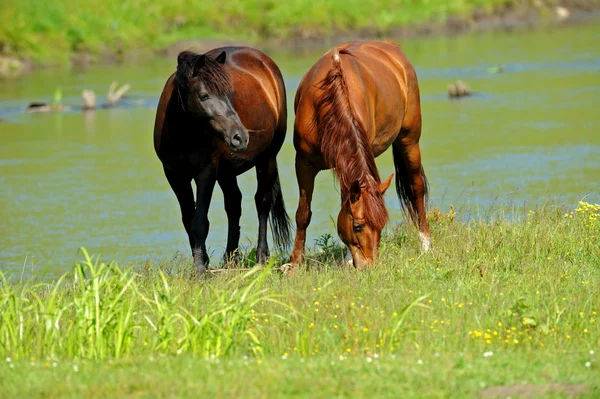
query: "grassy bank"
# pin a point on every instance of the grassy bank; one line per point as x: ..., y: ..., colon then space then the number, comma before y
x: 51, y: 32
x: 494, y: 303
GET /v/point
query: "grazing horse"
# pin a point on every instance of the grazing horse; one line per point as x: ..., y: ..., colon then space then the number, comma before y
x: 356, y: 101
x: 220, y: 114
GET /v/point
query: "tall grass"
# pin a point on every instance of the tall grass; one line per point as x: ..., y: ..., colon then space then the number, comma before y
x: 49, y: 31
x: 101, y: 311
x: 523, y: 286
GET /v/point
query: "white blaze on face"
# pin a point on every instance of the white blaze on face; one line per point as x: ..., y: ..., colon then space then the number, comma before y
x: 425, y: 242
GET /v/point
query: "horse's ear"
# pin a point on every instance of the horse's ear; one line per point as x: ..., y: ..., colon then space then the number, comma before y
x: 184, y: 58
x: 221, y: 57
x: 181, y: 58
x: 355, y: 191
x: 199, y: 63
x: 384, y: 185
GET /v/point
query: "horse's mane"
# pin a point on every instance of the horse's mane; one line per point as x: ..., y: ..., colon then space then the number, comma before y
x: 212, y: 73
x: 344, y: 143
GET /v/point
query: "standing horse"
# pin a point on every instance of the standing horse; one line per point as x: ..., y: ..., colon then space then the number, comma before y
x: 356, y: 101
x: 220, y: 114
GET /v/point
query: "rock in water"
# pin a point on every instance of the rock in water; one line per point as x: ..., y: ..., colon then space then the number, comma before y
x: 562, y: 13
x: 88, y: 97
x: 114, y: 95
x: 39, y: 107
x: 458, y: 89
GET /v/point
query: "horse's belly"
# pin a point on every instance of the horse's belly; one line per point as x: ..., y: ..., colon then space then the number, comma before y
x: 236, y: 165
x: 383, y: 140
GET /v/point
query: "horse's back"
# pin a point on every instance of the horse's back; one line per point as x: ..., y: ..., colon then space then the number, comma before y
x: 381, y: 86
x: 161, y: 112
x: 394, y: 85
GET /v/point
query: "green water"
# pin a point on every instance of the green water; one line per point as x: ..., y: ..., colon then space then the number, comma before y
x: 528, y: 135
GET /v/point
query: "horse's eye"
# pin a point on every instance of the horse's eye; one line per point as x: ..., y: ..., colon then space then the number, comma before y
x: 357, y: 227
x: 204, y: 97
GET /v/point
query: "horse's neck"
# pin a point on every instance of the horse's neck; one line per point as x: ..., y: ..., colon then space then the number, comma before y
x: 182, y: 123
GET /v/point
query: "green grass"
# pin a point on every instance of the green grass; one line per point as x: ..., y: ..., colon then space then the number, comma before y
x: 494, y: 303
x: 49, y: 32
x: 446, y: 375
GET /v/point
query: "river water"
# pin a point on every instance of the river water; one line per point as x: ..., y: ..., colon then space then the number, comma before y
x: 528, y: 135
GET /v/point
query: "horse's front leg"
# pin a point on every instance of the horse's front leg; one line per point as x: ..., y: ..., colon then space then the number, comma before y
x: 205, y: 183
x: 182, y: 187
x: 232, y: 197
x: 305, y: 174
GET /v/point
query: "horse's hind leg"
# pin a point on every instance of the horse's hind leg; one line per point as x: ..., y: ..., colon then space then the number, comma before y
x: 182, y: 188
x: 265, y: 173
x: 233, y: 207
x: 411, y: 183
x: 270, y: 205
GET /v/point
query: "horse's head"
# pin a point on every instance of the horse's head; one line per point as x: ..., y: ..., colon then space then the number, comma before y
x: 360, y: 233
x: 205, y: 90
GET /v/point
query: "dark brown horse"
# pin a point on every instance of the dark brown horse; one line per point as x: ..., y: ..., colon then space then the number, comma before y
x: 356, y: 101
x: 220, y: 114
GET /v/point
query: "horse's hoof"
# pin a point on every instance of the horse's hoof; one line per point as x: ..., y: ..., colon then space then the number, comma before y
x: 200, y: 267
x: 262, y: 260
x: 288, y: 269
x: 231, y: 259
x: 425, y: 242
x: 348, y: 259
x: 297, y: 258
x: 262, y: 256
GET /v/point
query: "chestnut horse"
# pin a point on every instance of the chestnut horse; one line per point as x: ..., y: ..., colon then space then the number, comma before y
x: 220, y: 114
x: 356, y: 101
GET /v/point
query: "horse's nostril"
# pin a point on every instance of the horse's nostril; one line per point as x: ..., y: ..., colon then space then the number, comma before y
x: 236, y: 140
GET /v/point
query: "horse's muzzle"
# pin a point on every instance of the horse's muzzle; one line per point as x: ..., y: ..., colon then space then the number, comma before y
x: 238, y: 141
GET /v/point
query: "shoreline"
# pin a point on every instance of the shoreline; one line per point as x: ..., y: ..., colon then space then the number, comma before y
x: 502, y: 19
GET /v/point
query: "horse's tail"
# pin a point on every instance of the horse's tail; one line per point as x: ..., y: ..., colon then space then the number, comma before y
x: 404, y: 189
x: 281, y: 227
